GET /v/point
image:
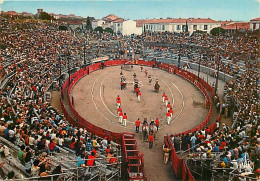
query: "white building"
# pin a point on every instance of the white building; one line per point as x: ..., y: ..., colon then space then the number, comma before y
x: 118, y: 26
x: 255, y: 24
x: 96, y: 23
x: 130, y: 27
x: 179, y: 25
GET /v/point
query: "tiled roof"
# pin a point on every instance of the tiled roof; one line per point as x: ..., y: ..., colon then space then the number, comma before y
x: 110, y: 17
x: 223, y: 23
x: 238, y: 25
x: 256, y: 19
x: 139, y: 23
x: 118, y: 20
x: 180, y: 20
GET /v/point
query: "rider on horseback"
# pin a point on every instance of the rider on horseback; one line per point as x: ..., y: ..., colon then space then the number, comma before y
x: 157, y: 86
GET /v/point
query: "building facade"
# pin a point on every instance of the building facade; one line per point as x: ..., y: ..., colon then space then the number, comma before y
x: 235, y: 27
x: 129, y: 27
x: 179, y: 25
x: 96, y: 23
x: 255, y: 24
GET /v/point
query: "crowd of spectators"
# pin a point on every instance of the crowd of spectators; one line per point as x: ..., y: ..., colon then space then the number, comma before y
x: 27, y: 119
x: 236, y: 147
x: 40, y: 50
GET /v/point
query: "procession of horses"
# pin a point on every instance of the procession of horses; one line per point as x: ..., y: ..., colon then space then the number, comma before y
x: 147, y: 129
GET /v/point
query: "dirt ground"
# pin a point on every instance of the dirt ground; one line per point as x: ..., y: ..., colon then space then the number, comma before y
x: 95, y: 99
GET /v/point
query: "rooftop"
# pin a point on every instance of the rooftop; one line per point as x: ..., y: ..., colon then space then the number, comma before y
x: 176, y: 20
x: 236, y: 25
x: 256, y: 19
x: 110, y: 17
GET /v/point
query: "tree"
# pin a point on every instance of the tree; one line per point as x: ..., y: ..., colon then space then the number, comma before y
x: 89, y: 25
x: 63, y: 27
x: 217, y: 31
x: 109, y: 30
x: 45, y: 16
x: 99, y: 29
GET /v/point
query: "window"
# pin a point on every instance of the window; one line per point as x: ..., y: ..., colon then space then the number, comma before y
x: 163, y: 27
x: 194, y: 27
x: 118, y: 24
x: 200, y: 26
x: 205, y: 27
x: 178, y: 27
x: 184, y: 27
x: 146, y: 26
x: 254, y: 26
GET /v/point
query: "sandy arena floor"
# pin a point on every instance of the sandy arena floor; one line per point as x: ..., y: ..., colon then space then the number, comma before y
x: 95, y: 99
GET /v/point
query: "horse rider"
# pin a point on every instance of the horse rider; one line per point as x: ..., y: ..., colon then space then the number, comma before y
x: 150, y: 79
x: 134, y: 75
x: 146, y: 72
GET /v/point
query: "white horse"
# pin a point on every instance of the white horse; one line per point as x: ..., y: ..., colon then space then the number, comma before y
x: 153, y: 129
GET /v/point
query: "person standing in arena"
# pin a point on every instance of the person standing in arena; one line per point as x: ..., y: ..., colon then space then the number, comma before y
x: 137, y: 125
x: 151, y: 140
x: 124, y: 119
x: 168, y: 117
x: 168, y: 106
x: 121, y: 84
x: 166, y: 151
x: 137, y: 90
x: 139, y: 96
x: 157, y: 123
x: 119, y: 109
x: 166, y: 100
x: 171, y: 111
x: 118, y: 98
x: 120, y: 117
x: 163, y: 97
x: 118, y: 102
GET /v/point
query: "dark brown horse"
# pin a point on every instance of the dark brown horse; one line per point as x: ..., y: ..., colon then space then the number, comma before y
x: 156, y: 87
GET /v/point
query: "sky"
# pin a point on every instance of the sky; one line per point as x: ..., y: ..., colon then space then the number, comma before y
x: 238, y: 10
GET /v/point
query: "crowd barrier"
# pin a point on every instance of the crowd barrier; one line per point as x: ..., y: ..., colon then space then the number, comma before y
x: 179, y: 166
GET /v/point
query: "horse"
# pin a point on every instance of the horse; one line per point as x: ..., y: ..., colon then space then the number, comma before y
x: 145, y: 131
x: 156, y: 87
x: 153, y: 129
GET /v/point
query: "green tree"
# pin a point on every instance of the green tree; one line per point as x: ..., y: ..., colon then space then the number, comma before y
x: 45, y: 16
x: 217, y: 31
x: 63, y: 27
x: 109, y: 30
x: 89, y: 25
x: 99, y: 29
